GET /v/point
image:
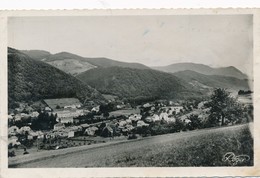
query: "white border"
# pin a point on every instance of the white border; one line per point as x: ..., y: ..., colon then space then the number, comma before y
x: 124, y: 4
x: 124, y: 172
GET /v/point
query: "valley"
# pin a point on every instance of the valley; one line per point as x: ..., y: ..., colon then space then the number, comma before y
x: 65, y: 103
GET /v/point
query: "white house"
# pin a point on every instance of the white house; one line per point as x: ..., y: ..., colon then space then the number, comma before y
x: 141, y: 124
x: 17, y: 117
x: 13, y: 141
x: 122, y: 123
x: 95, y: 109
x: 59, y: 126
x: 91, y: 131
x: 34, y: 114
x: 66, y: 116
x: 48, y: 109
x: 24, y: 129
x: 135, y: 117
x: 13, y: 130
x: 155, y: 118
x: 10, y: 117
x: 70, y: 134
x: 147, y: 105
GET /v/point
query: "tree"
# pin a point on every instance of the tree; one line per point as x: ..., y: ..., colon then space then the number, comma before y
x: 106, y: 114
x: 223, y: 108
x: 195, y: 122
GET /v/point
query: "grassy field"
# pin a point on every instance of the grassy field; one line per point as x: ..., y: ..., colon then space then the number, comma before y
x: 125, y: 112
x: 195, y: 148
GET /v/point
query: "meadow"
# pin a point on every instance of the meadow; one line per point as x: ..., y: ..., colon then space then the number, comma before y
x: 225, y: 146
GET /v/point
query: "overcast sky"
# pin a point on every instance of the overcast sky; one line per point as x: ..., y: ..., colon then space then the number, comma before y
x: 215, y: 40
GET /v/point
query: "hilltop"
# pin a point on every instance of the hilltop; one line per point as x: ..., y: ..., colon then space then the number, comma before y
x: 201, y: 81
x: 75, y: 64
x: 36, y: 54
x: 203, y: 69
x: 32, y: 80
x: 137, y: 83
x: 148, y: 83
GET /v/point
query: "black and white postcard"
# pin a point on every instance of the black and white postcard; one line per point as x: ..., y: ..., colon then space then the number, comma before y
x: 129, y: 93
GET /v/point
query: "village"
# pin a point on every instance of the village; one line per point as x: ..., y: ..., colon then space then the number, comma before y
x: 66, y: 122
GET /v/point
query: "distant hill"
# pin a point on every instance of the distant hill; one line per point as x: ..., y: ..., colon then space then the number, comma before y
x: 32, y: 80
x: 75, y: 64
x: 203, y: 69
x: 201, y: 81
x: 105, y: 62
x: 37, y: 54
x: 137, y: 83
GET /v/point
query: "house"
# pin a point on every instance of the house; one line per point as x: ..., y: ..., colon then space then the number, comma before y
x: 63, y: 103
x: 71, y: 134
x: 34, y: 114
x: 98, y: 117
x: 47, y: 109
x: 201, y: 105
x: 90, y: 131
x: 66, y: 116
x: 17, y: 117
x: 29, y: 137
x: 148, y: 119
x: 147, y: 105
x: 10, y: 117
x: 13, y: 141
x: 37, y: 134
x: 128, y: 128
x: 173, y: 109
x: 24, y: 130
x: 24, y: 116
x: 154, y: 118
x: 141, y: 124
x: 61, y: 134
x: 59, y: 126
x: 74, y: 128
x: 187, y: 121
x: 128, y: 121
x: 135, y: 117
x: 122, y: 123
x: 165, y: 117
x: 84, y: 126
x: 85, y: 111
x: 51, y: 135
x: 90, y: 104
x: 13, y: 130
x: 95, y: 109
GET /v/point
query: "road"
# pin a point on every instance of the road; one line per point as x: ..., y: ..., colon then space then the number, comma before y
x: 101, y: 155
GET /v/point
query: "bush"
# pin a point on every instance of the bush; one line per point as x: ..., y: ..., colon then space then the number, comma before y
x: 195, y: 122
x: 132, y: 136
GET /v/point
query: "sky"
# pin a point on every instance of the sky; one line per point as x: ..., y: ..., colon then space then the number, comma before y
x: 214, y: 40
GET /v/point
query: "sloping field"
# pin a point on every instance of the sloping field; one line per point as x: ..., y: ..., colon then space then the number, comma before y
x: 195, y: 148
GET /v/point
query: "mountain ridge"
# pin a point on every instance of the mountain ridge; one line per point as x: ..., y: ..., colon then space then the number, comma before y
x: 203, y: 69
x: 136, y: 83
x: 213, y: 81
x: 32, y: 80
x: 75, y: 64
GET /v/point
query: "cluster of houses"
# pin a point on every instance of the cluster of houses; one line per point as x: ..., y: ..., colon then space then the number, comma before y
x: 14, y: 132
x: 120, y: 122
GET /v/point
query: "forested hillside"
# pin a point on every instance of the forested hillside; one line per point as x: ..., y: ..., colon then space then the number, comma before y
x: 137, y: 84
x: 31, y: 80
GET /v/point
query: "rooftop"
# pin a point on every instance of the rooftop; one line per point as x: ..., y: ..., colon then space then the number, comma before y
x: 53, y: 103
